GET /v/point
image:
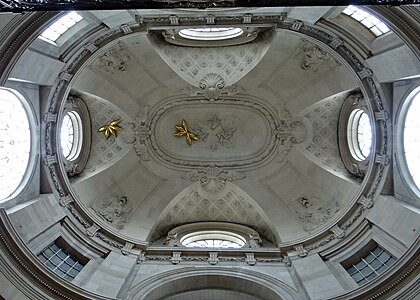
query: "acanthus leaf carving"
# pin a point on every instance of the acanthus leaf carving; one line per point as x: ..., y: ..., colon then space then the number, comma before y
x: 115, y: 210
x: 212, y: 178
x: 313, y: 212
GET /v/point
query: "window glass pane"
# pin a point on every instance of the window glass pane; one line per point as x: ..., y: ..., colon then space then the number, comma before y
x: 78, y: 267
x: 376, y: 264
x: 73, y: 272
x: 60, y: 26
x: 377, y: 251
x: 54, y: 248
x: 351, y: 270
x: 68, y: 277
x: 15, y: 142
x: 70, y: 261
x: 382, y: 269
x: 384, y: 257
x: 366, y: 271
x: 62, y: 254
x: 357, y: 277
x: 369, y: 258
x: 390, y: 261
x: 361, y: 282
x: 366, y: 19
x: 371, y: 276
x: 360, y: 265
x: 64, y: 267
x: 56, y: 260
x: 59, y: 272
x: 412, y: 139
x: 48, y: 253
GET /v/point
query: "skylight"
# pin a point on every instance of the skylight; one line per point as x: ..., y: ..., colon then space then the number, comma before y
x: 55, y: 30
x: 369, y: 21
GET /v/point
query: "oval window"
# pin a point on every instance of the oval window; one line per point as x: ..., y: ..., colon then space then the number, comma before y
x: 213, y: 239
x: 211, y: 33
x: 71, y: 135
x: 359, y: 134
x: 15, y: 142
x: 412, y: 137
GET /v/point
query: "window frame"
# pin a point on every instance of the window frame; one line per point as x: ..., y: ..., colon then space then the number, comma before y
x: 79, y: 156
x: 69, y: 252
x: 348, y: 134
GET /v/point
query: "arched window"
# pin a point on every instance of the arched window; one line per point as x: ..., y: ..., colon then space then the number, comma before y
x: 15, y: 142
x: 411, y: 137
x: 359, y: 134
x: 211, y: 33
x: 213, y: 239
x: 71, y: 135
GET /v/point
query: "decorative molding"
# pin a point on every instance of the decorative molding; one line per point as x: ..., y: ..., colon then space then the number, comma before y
x: 212, y: 178
x: 213, y: 259
x: 92, y: 230
x: 65, y: 200
x: 127, y: 248
x: 176, y: 257
x: 301, y: 251
x: 61, y: 5
x: 250, y: 259
x: 366, y: 202
x: 338, y: 232
x: 284, y: 132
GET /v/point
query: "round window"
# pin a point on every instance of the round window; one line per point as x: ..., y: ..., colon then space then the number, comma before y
x: 213, y: 239
x: 71, y: 135
x: 359, y: 134
x: 412, y: 137
x: 15, y: 142
x: 211, y: 33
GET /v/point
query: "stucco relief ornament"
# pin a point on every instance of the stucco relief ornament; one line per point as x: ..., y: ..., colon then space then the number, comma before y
x: 113, y: 60
x: 213, y: 179
x: 313, y: 212
x: 289, y: 133
x: 212, y: 85
x: 217, y: 132
x: 114, y: 211
x: 314, y: 57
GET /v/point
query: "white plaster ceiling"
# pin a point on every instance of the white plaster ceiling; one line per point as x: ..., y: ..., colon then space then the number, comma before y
x: 253, y: 133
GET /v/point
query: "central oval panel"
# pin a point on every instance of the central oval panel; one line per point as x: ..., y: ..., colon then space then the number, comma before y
x: 230, y: 133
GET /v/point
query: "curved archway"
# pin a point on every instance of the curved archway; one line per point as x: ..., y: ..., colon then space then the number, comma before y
x: 231, y: 204
x: 247, y: 283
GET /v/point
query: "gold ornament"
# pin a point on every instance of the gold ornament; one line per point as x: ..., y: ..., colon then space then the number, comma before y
x: 110, y: 129
x: 183, y: 130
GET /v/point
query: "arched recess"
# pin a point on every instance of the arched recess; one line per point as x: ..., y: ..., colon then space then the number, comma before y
x: 104, y: 152
x: 180, y: 281
x: 231, y: 204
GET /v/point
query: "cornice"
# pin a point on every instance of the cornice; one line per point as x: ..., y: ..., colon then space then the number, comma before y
x: 46, y: 5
